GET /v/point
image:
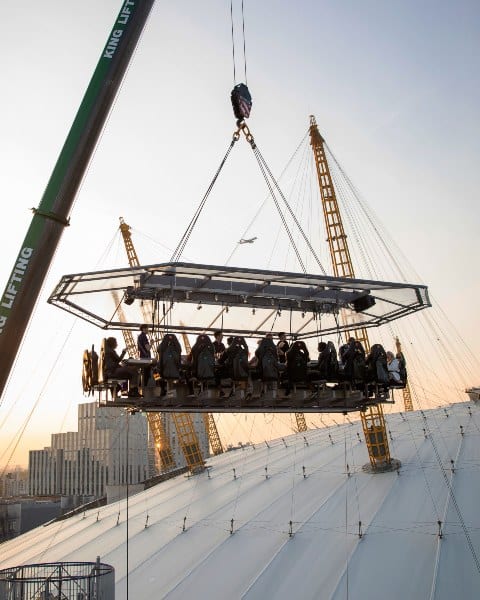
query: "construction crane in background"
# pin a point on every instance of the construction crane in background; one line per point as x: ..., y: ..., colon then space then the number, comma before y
x: 210, y: 425
x: 373, y: 420
x: 407, y: 396
x: 186, y: 434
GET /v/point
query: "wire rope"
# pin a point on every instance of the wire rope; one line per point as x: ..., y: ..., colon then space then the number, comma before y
x: 40, y: 395
x: 186, y: 235
x: 127, y: 464
x: 265, y: 169
x: 267, y: 197
x: 244, y: 46
x: 233, y: 44
x: 453, y: 498
x: 347, y: 476
x: 279, y: 210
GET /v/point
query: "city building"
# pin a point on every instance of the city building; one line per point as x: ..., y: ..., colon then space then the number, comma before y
x: 110, y: 448
x: 10, y: 520
x: 14, y: 483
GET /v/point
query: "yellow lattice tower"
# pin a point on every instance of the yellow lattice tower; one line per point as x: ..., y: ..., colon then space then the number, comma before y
x: 373, y: 421
x: 186, y: 434
x: 301, y: 423
x: 210, y: 425
x: 407, y: 396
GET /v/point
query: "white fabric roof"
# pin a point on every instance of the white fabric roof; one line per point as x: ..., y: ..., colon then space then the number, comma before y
x: 399, y: 556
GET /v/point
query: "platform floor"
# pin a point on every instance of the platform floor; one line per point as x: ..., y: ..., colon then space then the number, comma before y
x: 252, y: 399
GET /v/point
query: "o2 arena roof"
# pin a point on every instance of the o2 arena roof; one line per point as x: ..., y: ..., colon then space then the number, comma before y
x: 300, y: 518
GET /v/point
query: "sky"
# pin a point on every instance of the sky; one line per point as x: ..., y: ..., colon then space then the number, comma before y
x: 393, y: 85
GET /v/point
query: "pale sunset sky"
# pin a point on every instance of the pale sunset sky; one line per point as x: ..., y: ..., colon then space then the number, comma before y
x: 395, y: 90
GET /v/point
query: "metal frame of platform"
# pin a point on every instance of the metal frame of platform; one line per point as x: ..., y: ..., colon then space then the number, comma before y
x: 250, y: 397
x: 259, y: 294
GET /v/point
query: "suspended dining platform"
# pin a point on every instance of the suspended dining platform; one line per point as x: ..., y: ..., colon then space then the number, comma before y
x: 250, y: 304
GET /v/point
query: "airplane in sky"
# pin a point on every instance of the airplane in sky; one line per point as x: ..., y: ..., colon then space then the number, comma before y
x: 247, y: 240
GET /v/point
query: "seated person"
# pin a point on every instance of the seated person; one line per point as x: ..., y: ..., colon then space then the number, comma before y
x: 113, y: 369
x: 323, y: 359
x: 402, y: 363
x: 169, y: 357
x: 235, y: 359
x: 352, y: 355
x: 376, y: 363
x: 297, y: 359
x: 266, y: 354
x: 327, y: 361
x: 393, y: 366
x: 203, y: 358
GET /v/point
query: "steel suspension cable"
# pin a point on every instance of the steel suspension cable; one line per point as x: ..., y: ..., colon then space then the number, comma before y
x: 262, y: 161
x: 186, y: 236
x: 244, y: 50
x: 282, y: 216
x: 260, y: 208
x: 300, y: 178
x: 233, y: 44
x: 453, y: 498
x: 369, y: 216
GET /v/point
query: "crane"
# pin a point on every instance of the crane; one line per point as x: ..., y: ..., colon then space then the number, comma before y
x: 52, y: 215
x: 186, y: 434
x: 373, y: 420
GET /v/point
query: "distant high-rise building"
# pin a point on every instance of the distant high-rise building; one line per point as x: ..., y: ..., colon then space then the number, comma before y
x: 110, y: 447
x: 14, y: 483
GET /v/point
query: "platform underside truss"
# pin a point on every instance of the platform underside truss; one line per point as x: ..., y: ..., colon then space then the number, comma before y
x: 254, y: 398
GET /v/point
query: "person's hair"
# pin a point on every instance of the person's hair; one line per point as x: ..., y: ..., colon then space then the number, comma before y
x: 281, y: 334
x: 229, y: 340
x: 110, y: 342
x: 321, y: 346
x: 142, y: 327
x: 217, y: 333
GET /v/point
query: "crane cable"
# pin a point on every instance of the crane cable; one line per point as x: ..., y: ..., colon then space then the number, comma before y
x: 233, y: 44
x: 254, y: 218
x: 266, y: 171
x: 186, y: 235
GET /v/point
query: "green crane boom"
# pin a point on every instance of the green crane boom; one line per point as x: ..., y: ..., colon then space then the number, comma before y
x: 37, y: 251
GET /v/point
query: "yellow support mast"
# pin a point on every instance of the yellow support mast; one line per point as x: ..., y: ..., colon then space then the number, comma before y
x: 407, y: 396
x: 186, y: 435
x: 373, y: 420
x: 210, y: 425
x: 301, y: 423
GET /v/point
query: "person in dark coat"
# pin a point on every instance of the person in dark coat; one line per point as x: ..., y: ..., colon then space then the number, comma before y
x: 282, y: 347
x: 218, y: 345
x: 143, y: 345
x: 112, y: 364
